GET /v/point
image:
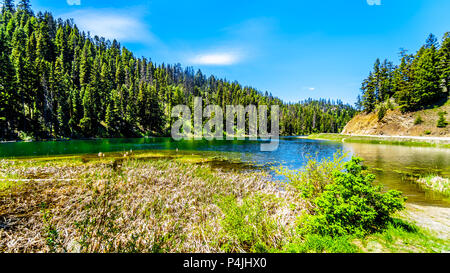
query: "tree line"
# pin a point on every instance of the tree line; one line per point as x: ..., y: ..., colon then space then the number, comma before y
x: 57, y: 81
x: 420, y: 80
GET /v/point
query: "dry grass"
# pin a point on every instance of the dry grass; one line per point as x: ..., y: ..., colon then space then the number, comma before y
x: 436, y: 183
x: 129, y: 206
x: 151, y: 204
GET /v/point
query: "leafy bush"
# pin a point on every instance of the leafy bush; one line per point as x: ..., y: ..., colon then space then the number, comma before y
x: 311, y: 181
x: 352, y: 205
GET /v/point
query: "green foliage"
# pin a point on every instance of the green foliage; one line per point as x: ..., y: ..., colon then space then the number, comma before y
x: 315, y: 176
x: 442, y: 122
x: 403, y: 237
x: 381, y: 112
x: 389, y: 104
x: 246, y: 226
x: 444, y: 61
x: 58, y: 82
x: 315, y: 243
x: 421, y: 80
x: 352, y: 205
x: 418, y: 120
x: 117, y: 212
x: 51, y: 232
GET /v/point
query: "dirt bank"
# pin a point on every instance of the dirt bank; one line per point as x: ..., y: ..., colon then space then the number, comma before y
x: 397, y: 124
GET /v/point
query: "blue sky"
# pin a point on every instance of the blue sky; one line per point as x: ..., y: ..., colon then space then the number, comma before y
x: 294, y: 49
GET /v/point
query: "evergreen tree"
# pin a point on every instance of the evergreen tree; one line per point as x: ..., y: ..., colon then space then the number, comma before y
x: 427, y: 80
x: 442, y: 122
x: 25, y: 6
x: 8, y: 5
x: 369, y: 93
x: 444, y: 63
x: 421, y: 80
x: 56, y: 81
x: 8, y: 98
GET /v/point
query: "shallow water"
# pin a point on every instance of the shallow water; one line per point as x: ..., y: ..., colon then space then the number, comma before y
x: 395, y: 166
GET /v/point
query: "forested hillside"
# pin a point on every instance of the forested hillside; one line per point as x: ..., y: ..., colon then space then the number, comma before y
x: 420, y: 81
x: 409, y: 99
x: 57, y: 81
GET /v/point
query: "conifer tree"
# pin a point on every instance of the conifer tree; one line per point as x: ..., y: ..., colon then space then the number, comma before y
x: 8, y: 96
x: 56, y: 81
x: 444, y: 63
x: 8, y: 5
x: 24, y: 6
x: 426, y: 77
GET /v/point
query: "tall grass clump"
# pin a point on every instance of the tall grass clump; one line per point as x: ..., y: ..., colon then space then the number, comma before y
x: 247, y: 225
x: 436, y: 184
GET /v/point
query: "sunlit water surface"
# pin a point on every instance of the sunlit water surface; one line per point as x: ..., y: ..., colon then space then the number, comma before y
x: 395, y: 166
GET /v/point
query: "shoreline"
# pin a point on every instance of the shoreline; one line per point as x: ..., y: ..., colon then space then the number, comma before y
x: 414, y: 141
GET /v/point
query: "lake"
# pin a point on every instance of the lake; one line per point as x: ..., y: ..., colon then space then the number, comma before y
x: 395, y: 166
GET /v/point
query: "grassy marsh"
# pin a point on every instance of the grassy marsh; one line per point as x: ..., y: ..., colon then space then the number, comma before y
x: 161, y: 202
x: 380, y: 140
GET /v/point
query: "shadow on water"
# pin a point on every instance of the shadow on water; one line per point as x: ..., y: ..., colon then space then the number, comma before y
x: 396, y: 167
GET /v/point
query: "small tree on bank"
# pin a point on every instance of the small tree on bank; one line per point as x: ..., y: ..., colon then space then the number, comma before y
x: 442, y: 122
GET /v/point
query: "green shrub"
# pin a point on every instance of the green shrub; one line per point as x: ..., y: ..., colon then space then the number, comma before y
x: 418, y: 120
x: 311, y: 181
x: 389, y: 104
x: 247, y: 227
x: 352, y: 205
x: 381, y: 112
x: 442, y: 122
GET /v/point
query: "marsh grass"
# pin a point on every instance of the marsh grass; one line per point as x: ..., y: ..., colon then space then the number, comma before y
x: 134, y: 206
x: 158, y: 204
x: 436, y: 183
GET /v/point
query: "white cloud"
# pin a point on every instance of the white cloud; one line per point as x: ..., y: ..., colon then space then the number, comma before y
x: 232, y: 44
x: 312, y: 88
x: 374, y: 2
x: 74, y: 2
x: 112, y: 24
x: 215, y: 59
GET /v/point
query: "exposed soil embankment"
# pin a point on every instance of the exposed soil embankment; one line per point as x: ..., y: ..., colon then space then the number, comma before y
x: 397, y: 124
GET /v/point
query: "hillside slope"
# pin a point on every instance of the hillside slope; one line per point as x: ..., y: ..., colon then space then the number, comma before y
x: 397, y: 124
